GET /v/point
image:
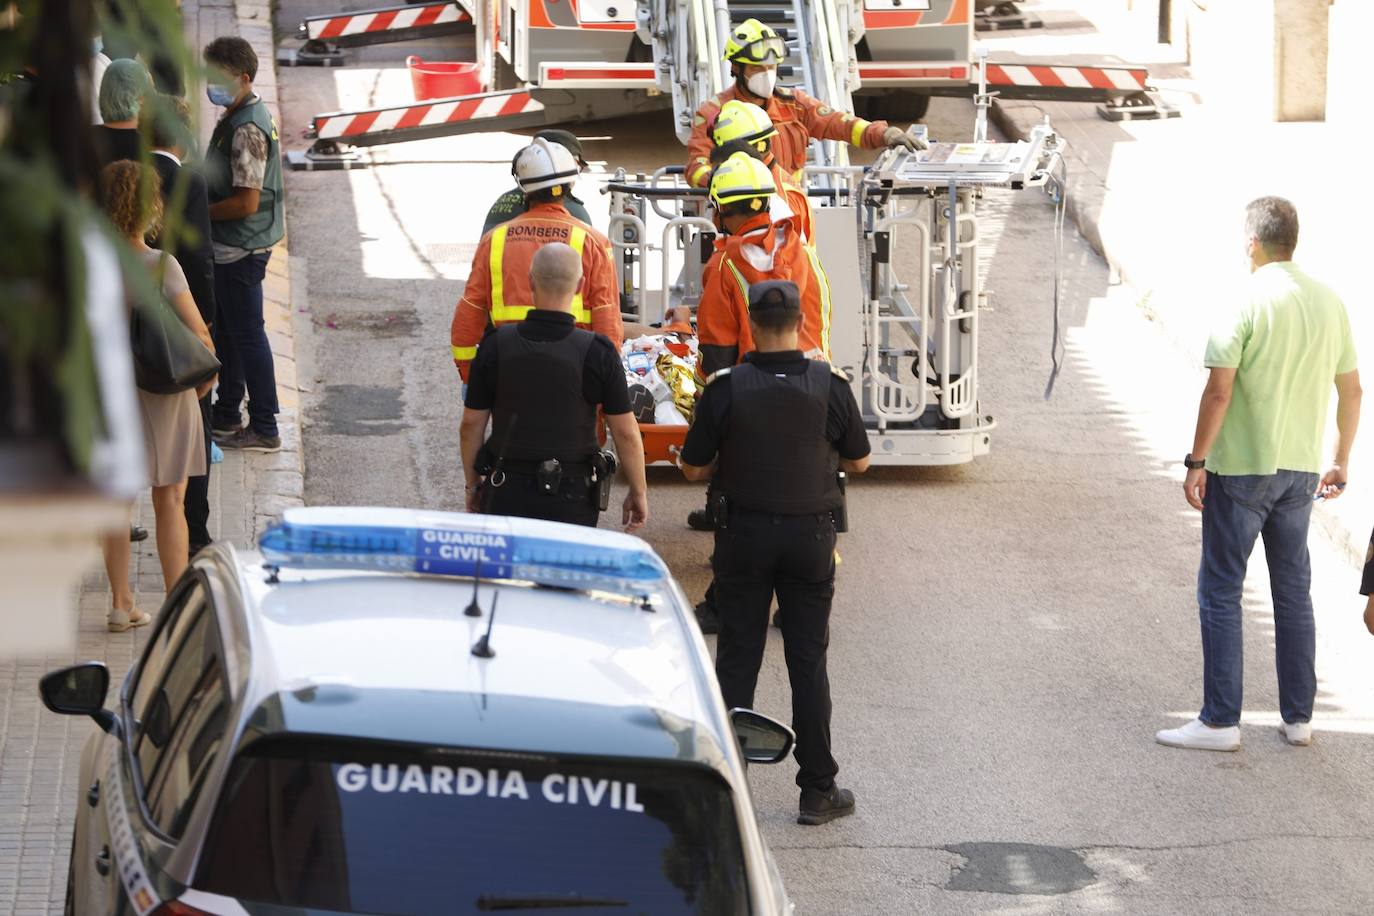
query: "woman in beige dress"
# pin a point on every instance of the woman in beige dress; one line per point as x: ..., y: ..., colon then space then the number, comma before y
x: 172, y: 431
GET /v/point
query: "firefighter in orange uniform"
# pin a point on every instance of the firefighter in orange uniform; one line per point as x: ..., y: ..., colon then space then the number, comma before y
x: 744, y: 127
x: 754, y: 51
x: 498, y: 288
x: 756, y: 248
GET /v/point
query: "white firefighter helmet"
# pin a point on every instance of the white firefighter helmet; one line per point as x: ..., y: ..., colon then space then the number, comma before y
x: 544, y: 164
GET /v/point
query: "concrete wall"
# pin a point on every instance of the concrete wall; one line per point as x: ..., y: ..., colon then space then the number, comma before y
x: 1264, y: 59
x: 1352, y: 24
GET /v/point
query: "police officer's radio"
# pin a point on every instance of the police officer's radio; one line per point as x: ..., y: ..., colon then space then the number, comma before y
x: 840, y: 516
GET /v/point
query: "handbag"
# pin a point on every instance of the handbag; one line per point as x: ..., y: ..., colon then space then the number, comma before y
x: 168, y: 356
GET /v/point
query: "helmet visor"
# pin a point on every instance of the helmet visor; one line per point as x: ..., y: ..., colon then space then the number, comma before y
x: 763, y: 50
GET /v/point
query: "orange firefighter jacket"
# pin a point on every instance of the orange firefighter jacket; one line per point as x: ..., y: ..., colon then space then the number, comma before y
x: 498, y: 288
x: 798, y: 118
x: 797, y: 200
x: 761, y: 250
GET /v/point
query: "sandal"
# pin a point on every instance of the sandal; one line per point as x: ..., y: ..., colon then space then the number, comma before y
x: 117, y: 620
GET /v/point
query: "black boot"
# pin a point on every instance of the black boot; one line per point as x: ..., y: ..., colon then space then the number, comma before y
x: 824, y: 807
x: 707, y: 618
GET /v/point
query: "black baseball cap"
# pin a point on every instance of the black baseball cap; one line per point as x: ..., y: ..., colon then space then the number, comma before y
x: 566, y: 140
x: 771, y: 295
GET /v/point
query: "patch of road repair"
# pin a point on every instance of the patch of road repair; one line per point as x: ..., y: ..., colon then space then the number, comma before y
x: 1019, y: 868
x: 385, y: 323
x: 360, y: 410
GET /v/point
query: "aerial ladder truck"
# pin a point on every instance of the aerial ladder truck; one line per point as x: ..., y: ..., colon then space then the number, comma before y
x: 899, y: 239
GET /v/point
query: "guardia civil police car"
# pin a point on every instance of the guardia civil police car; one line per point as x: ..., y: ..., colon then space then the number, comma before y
x: 397, y: 712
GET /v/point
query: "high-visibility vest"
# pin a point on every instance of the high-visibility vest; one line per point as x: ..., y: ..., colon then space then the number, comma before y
x: 503, y: 312
x: 506, y: 313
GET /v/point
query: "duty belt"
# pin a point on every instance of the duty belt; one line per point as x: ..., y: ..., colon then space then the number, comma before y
x: 580, y: 469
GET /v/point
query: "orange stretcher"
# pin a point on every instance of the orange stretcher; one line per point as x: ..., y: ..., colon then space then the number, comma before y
x: 659, y: 438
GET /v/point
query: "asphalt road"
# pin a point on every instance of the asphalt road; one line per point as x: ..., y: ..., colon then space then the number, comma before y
x: 1007, y: 635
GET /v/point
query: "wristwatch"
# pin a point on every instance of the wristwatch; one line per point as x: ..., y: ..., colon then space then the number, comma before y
x: 1194, y: 464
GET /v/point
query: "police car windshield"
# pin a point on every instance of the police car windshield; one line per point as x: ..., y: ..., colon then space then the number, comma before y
x: 359, y: 828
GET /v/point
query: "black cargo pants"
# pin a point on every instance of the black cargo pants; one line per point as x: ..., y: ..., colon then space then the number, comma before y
x: 756, y: 556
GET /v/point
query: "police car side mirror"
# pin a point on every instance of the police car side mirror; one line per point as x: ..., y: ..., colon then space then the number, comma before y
x: 761, y: 739
x: 79, y: 691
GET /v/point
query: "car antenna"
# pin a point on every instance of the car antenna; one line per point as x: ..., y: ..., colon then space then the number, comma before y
x: 482, y: 648
x: 474, y: 609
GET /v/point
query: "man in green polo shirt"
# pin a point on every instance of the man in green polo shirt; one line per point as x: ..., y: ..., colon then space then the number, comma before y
x: 1256, y: 467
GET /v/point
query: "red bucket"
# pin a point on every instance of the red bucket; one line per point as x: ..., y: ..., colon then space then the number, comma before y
x: 439, y: 79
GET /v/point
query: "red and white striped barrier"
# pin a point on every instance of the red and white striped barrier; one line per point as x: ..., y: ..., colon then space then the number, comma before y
x: 371, y: 23
x: 349, y: 127
x: 1110, y: 79
x: 1023, y: 79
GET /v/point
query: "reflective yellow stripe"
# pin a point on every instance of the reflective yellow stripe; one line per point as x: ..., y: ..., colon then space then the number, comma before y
x: 857, y: 134
x: 498, y: 294
x: 464, y: 354
x: 698, y: 173
x: 825, y: 299
x: 500, y: 311
x: 509, y: 313
x: 576, y: 240
x: 739, y: 278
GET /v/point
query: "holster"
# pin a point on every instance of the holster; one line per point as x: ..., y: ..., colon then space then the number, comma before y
x: 720, y: 507
x: 603, y: 472
x: 486, y: 461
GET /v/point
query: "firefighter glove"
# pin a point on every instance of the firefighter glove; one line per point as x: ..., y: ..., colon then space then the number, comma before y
x: 895, y: 136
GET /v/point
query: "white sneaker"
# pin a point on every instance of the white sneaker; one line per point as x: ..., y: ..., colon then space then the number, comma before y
x: 1199, y: 737
x: 1297, y: 733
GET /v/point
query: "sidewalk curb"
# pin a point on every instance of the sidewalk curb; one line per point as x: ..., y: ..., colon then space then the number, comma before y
x: 1085, y: 194
x: 1086, y: 198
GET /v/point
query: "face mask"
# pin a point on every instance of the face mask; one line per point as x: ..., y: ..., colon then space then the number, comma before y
x: 220, y: 96
x: 762, y: 83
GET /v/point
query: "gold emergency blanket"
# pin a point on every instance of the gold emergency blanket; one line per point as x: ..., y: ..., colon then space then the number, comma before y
x: 680, y: 378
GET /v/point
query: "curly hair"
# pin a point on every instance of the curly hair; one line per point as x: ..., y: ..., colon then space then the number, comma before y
x: 233, y: 55
x: 131, y: 195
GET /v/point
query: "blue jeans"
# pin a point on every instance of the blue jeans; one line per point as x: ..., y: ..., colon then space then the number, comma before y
x: 242, y: 347
x: 1237, y: 510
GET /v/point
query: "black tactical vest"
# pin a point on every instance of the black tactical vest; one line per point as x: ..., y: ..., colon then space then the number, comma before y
x: 540, y: 410
x: 774, y: 456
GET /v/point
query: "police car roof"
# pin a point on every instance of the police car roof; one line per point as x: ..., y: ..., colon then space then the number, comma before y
x: 387, y: 656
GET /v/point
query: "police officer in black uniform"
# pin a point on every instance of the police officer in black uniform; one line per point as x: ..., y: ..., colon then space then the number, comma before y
x: 773, y: 433
x: 539, y: 382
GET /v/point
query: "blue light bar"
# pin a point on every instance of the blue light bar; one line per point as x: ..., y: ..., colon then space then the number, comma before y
x: 451, y: 544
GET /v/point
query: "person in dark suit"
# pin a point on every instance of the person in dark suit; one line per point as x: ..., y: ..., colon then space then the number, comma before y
x: 186, y: 237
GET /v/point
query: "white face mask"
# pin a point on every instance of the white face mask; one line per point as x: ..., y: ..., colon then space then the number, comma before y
x: 762, y: 83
